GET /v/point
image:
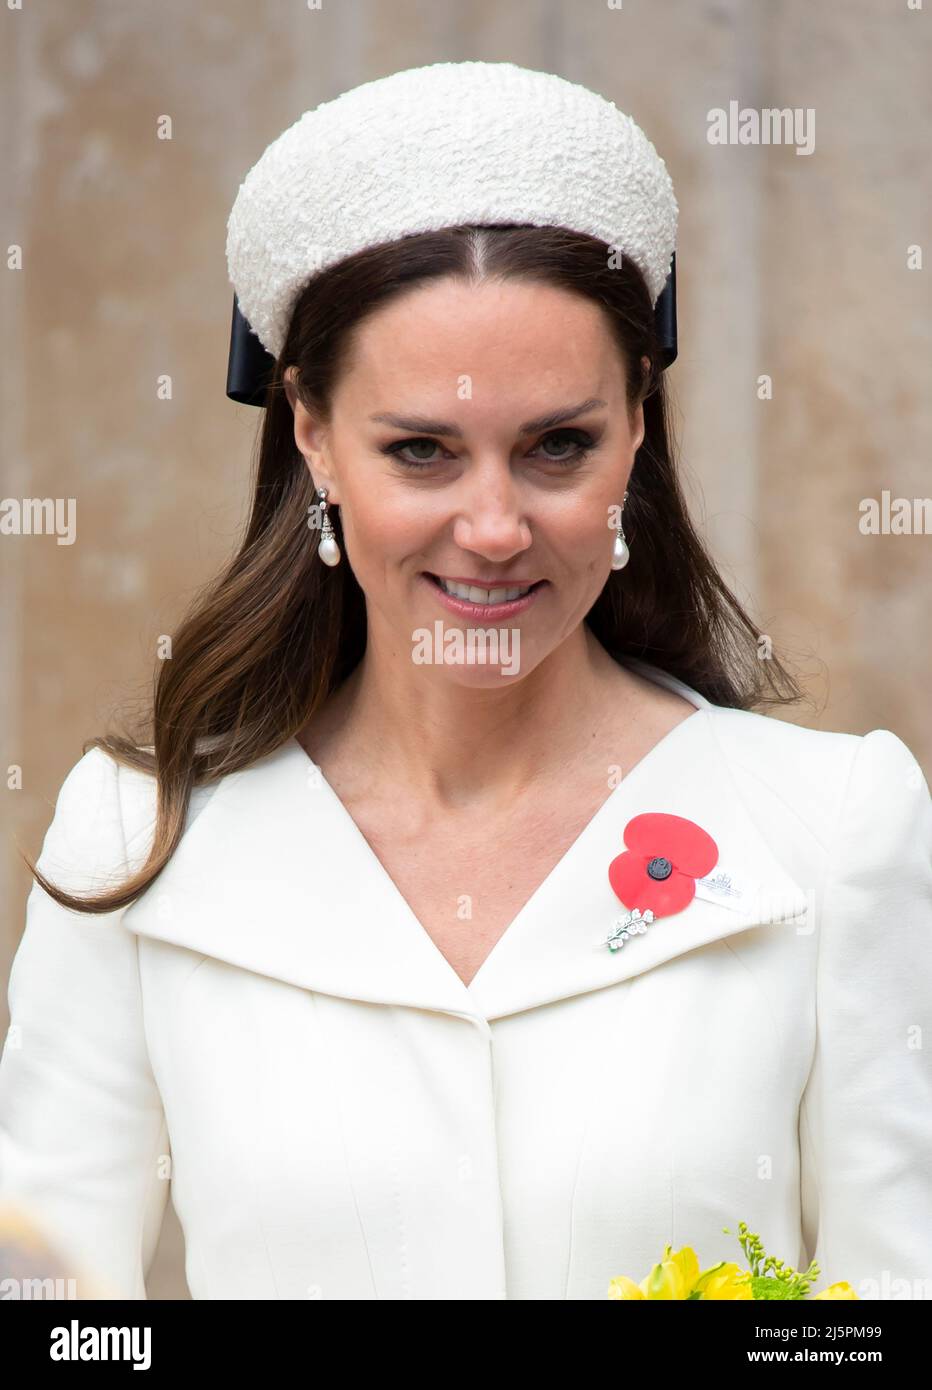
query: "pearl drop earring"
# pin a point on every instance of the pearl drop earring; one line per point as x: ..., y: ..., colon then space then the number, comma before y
x: 328, y: 550
x: 620, y: 552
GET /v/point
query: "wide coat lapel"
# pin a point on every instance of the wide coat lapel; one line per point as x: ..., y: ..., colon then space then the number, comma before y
x: 274, y: 876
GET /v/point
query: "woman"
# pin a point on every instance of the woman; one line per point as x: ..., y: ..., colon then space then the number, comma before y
x: 409, y: 983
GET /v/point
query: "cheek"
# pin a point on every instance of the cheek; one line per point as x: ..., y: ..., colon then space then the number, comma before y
x: 582, y: 519
x: 390, y: 519
x: 385, y: 522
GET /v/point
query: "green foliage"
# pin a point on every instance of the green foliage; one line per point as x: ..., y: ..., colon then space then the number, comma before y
x: 770, y: 1277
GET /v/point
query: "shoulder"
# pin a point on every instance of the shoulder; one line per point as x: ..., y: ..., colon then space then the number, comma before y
x: 837, y: 783
x: 84, y: 843
x: 106, y: 809
x: 769, y: 744
x: 89, y: 796
x: 102, y: 808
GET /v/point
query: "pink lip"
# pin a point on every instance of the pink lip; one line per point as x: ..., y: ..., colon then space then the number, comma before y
x: 489, y: 583
x: 488, y: 611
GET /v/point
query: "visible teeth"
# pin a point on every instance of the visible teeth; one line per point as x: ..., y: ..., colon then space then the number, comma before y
x: 477, y: 595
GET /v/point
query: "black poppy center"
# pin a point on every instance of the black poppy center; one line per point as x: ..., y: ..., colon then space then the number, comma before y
x: 660, y: 868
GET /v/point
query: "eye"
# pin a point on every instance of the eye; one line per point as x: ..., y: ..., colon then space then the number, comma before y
x: 581, y: 439
x: 395, y: 451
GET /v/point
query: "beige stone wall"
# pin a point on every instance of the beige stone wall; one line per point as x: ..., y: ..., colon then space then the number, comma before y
x: 793, y: 267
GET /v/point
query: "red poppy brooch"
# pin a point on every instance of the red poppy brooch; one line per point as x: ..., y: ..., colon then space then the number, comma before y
x: 657, y: 873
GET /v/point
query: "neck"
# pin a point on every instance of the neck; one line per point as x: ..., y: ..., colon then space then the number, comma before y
x: 456, y: 747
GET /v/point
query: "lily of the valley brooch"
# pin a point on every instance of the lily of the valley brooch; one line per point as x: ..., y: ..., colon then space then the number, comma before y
x: 657, y: 874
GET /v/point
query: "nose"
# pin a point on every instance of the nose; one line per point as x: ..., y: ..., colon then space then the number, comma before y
x: 490, y: 518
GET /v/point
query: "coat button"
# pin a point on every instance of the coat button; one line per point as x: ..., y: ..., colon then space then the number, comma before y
x: 660, y: 868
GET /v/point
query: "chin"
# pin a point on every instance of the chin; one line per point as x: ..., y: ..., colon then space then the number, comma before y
x: 489, y: 666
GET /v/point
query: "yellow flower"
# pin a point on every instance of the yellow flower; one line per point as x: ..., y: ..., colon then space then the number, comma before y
x: 674, y: 1276
x: 677, y: 1276
x: 623, y: 1287
x: 725, y: 1281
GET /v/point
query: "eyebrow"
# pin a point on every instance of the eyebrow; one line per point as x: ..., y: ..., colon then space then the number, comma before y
x: 421, y: 424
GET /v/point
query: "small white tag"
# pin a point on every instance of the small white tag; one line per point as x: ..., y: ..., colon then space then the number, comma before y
x: 727, y: 888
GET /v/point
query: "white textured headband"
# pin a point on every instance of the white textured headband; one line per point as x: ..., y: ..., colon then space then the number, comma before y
x: 439, y: 146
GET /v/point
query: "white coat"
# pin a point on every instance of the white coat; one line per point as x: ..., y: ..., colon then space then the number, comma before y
x: 347, y: 1120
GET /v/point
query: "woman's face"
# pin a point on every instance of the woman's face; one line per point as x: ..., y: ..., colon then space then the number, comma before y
x: 478, y: 432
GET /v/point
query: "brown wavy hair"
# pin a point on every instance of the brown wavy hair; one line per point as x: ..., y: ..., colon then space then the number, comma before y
x: 267, y: 641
